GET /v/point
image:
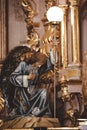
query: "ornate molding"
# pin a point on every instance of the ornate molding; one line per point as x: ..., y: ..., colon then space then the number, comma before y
x: 74, y: 2
x: 30, y: 11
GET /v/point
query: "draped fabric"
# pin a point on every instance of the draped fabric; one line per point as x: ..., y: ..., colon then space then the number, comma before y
x: 29, y: 99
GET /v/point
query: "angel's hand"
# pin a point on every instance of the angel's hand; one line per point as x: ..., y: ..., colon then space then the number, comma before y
x: 31, y: 76
x: 47, y: 76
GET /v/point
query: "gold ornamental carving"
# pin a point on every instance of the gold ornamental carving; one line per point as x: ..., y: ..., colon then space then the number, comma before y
x: 30, y: 11
x: 50, y: 3
x: 75, y: 2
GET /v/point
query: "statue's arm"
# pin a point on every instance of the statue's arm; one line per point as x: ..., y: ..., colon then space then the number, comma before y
x: 18, y: 78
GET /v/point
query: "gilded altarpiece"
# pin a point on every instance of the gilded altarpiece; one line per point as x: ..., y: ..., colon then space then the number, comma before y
x: 69, y: 74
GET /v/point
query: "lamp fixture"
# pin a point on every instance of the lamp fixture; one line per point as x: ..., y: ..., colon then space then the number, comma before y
x: 54, y: 14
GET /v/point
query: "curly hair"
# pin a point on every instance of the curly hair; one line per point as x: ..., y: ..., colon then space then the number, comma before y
x: 9, y: 65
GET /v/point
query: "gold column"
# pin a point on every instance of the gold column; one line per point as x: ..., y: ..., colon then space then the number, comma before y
x: 75, y: 31
x: 64, y: 45
x: 2, y: 30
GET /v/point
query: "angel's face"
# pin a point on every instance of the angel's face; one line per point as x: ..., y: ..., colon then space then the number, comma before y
x: 28, y: 55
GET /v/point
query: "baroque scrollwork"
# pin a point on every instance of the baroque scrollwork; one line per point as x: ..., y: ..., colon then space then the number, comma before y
x: 30, y: 11
x: 49, y: 3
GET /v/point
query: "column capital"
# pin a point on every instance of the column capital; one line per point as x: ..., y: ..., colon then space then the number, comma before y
x: 64, y: 8
x: 74, y: 2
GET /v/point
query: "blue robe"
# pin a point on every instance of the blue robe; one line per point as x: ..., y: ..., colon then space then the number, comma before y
x: 28, y: 98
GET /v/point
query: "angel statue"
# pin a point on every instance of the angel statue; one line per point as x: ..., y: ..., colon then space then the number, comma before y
x: 22, y: 77
x: 34, y: 101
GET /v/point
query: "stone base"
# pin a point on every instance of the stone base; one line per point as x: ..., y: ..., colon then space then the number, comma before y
x: 55, y: 128
x: 31, y: 122
x: 64, y: 128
